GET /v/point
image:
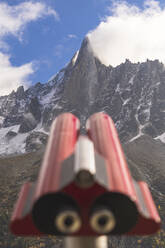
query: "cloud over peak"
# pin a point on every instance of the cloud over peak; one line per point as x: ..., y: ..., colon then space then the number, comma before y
x: 130, y: 32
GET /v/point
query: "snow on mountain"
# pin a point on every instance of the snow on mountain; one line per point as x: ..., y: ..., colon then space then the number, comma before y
x: 1, y: 120
x: 131, y: 93
x: 46, y: 99
x: 74, y: 59
x: 161, y: 137
x: 9, y: 144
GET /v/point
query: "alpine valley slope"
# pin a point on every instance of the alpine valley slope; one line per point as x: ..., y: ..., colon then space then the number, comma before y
x: 133, y: 94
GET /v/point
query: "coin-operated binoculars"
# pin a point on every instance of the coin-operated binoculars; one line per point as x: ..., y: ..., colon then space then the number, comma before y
x: 84, y: 190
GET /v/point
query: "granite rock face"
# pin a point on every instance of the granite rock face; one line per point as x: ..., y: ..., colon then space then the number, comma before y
x: 131, y: 93
x: 28, y: 123
x: 35, y: 141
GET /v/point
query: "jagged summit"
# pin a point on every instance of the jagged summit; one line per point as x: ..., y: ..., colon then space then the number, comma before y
x: 86, y: 48
x: 131, y: 93
x: 82, y: 79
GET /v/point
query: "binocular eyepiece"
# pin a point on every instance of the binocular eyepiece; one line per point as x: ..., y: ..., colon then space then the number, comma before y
x: 84, y: 186
x: 102, y: 221
x: 68, y: 221
x: 60, y: 214
x: 57, y: 214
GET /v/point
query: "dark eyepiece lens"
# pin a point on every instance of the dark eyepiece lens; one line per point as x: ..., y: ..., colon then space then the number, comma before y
x: 68, y: 221
x: 103, y: 221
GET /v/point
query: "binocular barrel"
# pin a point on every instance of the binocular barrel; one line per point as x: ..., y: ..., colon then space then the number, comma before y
x: 84, y: 162
x: 84, y: 186
x: 103, y: 133
x: 61, y: 144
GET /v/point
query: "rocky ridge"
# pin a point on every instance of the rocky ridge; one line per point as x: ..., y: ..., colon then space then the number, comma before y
x: 132, y: 93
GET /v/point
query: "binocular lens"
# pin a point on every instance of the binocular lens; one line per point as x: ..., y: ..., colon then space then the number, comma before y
x: 56, y: 214
x: 102, y: 221
x: 68, y: 221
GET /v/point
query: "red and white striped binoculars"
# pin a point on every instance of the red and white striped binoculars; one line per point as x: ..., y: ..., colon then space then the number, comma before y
x: 84, y: 187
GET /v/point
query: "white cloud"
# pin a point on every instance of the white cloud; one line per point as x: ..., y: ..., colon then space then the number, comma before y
x: 3, y: 45
x: 12, y: 77
x: 72, y: 36
x: 13, y: 21
x: 130, y: 32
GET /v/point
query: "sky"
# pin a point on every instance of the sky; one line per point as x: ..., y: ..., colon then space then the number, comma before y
x: 38, y: 38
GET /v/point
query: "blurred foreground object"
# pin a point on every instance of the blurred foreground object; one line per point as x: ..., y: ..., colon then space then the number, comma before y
x: 84, y: 189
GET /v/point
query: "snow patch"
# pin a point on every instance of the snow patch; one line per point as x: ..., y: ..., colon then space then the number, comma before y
x: 61, y: 76
x: 15, y: 145
x: 39, y: 128
x: 118, y: 88
x: 157, y: 84
x: 75, y: 58
x: 38, y: 141
x: 47, y: 98
x: 5, y: 130
x: 161, y: 137
x: 131, y: 80
x: 140, y: 127
x: 57, y: 77
x: 126, y: 101
x: 147, y: 114
x: 134, y: 138
x: 57, y: 106
x: 1, y: 120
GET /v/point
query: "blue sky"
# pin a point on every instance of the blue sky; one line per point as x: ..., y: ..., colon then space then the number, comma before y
x: 53, y: 42
x: 41, y: 37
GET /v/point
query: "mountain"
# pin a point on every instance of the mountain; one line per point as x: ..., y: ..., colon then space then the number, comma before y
x: 131, y: 93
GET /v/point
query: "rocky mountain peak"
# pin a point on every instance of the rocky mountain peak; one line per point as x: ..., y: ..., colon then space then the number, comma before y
x: 83, y: 79
x: 34, y: 108
x: 86, y: 50
x: 20, y: 93
x: 131, y: 93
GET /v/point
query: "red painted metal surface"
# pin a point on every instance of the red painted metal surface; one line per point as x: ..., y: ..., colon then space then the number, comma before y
x: 150, y: 223
x: 62, y: 139
x: 61, y: 145
x: 102, y: 132
x: 23, y: 225
x: 85, y: 198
